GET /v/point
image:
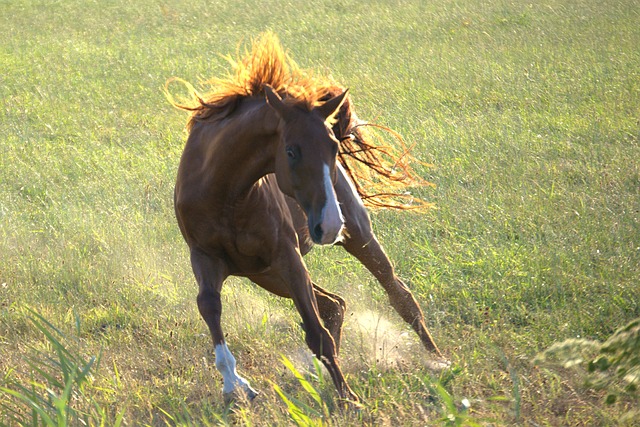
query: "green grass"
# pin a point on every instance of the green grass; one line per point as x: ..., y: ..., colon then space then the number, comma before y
x: 529, y: 114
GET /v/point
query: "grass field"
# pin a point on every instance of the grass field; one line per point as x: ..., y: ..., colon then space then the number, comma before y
x: 529, y: 113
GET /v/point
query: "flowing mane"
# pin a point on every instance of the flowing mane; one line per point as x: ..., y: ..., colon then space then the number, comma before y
x: 381, y: 174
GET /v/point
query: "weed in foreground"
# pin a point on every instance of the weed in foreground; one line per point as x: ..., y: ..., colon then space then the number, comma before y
x: 57, y: 394
x: 613, y: 366
x: 318, y: 413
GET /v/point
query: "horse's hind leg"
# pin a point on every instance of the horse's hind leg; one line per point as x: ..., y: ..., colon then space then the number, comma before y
x: 210, y: 275
x: 361, y: 243
x: 331, y: 308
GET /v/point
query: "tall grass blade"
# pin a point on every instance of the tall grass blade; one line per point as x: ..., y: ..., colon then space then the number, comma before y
x: 303, y: 382
x: 46, y: 419
x: 297, y: 414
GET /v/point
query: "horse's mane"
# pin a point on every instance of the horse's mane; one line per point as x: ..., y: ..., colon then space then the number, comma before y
x: 381, y: 174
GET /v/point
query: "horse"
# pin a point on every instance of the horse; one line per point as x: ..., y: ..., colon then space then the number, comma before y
x: 268, y: 170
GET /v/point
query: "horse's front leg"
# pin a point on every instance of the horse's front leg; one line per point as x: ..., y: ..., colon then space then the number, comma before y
x: 291, y: 274
x: 318, y: 337
x: 371, y: 254
x: 361, y: 242
x: 210, y: 274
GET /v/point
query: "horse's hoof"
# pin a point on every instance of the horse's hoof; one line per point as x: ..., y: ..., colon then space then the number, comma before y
x: 438, y: 365
x: 352, y: 405
x: 240, y: 394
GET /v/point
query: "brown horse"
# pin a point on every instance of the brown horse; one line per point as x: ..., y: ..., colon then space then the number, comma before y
x: 259, y: 183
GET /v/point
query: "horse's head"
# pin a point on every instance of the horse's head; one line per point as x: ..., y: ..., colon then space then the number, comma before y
x: 305, y: 163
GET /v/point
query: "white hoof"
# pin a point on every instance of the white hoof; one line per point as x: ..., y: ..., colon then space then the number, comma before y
x: 438, y: 365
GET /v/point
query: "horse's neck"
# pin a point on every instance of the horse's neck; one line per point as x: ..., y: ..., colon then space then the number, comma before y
x: 245, y: 147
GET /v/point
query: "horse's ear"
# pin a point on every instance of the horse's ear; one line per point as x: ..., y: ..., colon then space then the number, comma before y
x: 330, y: 107
x: 274, y: 100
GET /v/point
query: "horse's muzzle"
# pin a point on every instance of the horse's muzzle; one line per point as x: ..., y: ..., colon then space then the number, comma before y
x: 326, y: 229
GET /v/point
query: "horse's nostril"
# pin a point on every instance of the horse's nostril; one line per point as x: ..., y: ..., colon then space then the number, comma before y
x: 317, y: 231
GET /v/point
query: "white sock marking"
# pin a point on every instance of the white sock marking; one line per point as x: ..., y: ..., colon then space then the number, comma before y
x: 226, y: 364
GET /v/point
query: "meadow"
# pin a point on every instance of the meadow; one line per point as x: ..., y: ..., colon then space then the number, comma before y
x: 525, y: 116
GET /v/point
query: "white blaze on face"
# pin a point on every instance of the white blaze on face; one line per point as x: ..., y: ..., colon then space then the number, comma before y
x: 332, y: 219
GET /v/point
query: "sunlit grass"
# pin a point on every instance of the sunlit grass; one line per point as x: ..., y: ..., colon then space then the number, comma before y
x: 527, y: 112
